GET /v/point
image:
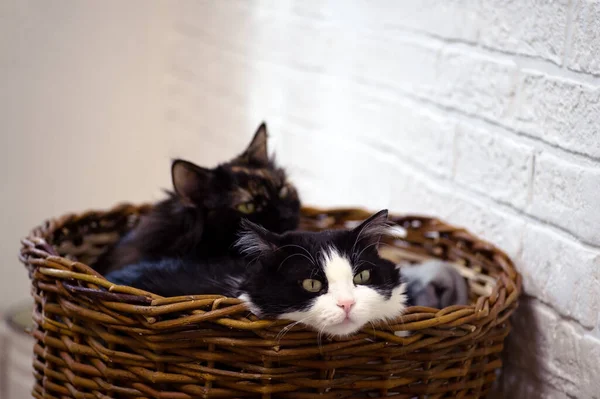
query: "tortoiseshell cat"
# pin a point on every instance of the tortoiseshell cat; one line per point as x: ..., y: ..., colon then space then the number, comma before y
x: 202, y: 215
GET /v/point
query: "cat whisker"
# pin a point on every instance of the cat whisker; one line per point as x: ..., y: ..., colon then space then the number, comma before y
x: 291, y: 256
x: 319, y: 338
x: 284, y: 331
x: 358, y: 236
x: 356, y: 241
x: 373, y: 326
x: 287, y: 328
x: 365, y: 248
x: 379, y: 245
x: 359, y: 264
x: 312, y: 259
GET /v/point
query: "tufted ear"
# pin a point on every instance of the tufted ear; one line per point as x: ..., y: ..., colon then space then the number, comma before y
x: 370, y: 231
x: 256, y: 152
x: 190, y: 181
x: 256, y: 241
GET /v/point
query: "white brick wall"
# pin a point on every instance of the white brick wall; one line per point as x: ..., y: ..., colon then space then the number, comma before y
x: 486, y: 113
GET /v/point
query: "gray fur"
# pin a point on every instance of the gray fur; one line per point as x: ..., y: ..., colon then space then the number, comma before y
x: 435, y: 284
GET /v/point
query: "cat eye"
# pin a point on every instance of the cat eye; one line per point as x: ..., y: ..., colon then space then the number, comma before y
x: 363, y: 277
x: 246, y: 207
x: 312, y: 285
x: 283, y: 192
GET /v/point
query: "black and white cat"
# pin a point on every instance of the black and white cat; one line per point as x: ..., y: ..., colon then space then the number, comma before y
x: 333, y: 281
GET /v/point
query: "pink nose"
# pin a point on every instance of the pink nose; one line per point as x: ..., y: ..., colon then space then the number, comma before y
x: 345, y: 304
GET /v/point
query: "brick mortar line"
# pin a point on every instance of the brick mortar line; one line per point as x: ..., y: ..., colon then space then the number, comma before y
x: 580, y: 329
x: 523, y: 61
x: 396, y: 91
x: 416, y: 36
x: 455, y: 187
x: 559, y: 66
x: 477, y: 120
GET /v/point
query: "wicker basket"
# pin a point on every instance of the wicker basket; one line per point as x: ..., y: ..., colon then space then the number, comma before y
x: 97, y: 340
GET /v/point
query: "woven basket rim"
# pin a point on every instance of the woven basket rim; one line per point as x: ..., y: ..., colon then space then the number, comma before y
x: 36, y: 250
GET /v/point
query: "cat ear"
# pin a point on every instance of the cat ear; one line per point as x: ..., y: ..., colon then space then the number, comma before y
x: 370, y: 231
x: 255, y: 240
x: 190, y: 181
x: 256, y: 152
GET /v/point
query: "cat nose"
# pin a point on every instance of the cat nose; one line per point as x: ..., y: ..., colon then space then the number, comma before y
x: 345, y: 304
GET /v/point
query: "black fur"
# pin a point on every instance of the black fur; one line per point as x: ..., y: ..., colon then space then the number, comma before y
x: 189, y: 276
x: 199, y: 219
x: 283, y: 261
x: 274, y: 268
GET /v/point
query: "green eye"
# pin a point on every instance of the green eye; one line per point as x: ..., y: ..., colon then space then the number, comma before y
x: 362, y: 277
x: 246, y: 207
x: 312, y: 285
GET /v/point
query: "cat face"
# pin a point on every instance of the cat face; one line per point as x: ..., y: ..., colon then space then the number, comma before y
x: 249, y: 186
x: 333, y: 281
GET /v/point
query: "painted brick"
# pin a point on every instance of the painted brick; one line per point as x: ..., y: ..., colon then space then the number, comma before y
x: 567, y: 355
x: 448, y: 19
x: 475, y: 84
x: 568, y: 195
x: 561, y: 112
x: 497, y: 227
x: 403, y: 65
x: 319, y: 44
x: 332, y: 176
x: 539, y: 31
x: 590, y: 367
x: 458, y: 78
x: 561, y: 273
x: 494, y: 165
x: 586, y: 37
x: 530, y: 27
x: 414, y: 192
x: 424, y: 137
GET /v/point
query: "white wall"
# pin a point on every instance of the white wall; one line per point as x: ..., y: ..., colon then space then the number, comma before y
x: 80, y: 114
x: 483, y: 113
x: 80, y: 120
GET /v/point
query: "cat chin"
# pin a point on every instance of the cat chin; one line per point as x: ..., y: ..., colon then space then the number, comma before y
x: 343, y: 329
x: 328, y: 319
x: 324, y: 316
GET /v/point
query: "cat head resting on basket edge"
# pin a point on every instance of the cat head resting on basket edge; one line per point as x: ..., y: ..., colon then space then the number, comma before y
x: 333, y: 281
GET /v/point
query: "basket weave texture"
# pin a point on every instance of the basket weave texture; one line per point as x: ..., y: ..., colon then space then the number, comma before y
x: 97, y: 340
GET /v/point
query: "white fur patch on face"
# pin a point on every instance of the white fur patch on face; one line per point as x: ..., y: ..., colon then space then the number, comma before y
x: 327, y: 316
